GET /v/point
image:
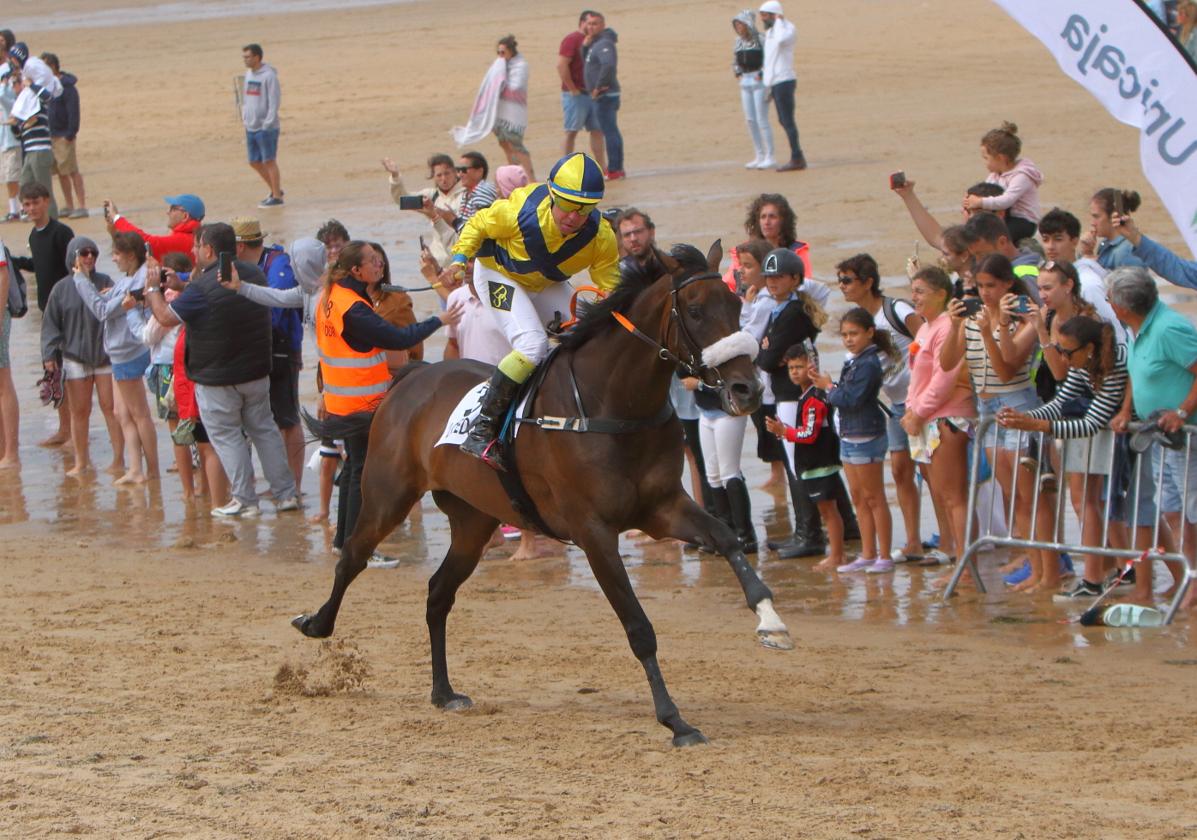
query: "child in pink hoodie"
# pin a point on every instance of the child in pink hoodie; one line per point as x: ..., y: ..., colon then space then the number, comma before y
x: 1018, y: 176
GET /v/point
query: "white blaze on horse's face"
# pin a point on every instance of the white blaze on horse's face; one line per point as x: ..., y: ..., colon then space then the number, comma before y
x: 729, y: 347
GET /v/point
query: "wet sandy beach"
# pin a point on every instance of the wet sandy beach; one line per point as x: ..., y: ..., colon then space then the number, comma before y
x: 153, y: 686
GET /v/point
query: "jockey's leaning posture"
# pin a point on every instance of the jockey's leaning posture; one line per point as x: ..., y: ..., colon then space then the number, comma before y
x: 526, y: 248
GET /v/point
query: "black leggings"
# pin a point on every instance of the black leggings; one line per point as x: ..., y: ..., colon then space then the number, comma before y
x: 349, y: 496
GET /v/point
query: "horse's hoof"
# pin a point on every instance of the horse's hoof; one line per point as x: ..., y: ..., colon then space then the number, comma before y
x: 690, y: 739
x: 303, y: 623
x: 456, y: 703
x: 775, y: 639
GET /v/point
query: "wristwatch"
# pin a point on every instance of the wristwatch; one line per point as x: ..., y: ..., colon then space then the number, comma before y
x: 1182, y: 414
x: 153, y: 288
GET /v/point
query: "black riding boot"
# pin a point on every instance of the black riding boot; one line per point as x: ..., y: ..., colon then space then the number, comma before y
x: 808, y: 526
x: 741, y: 514
x: 501, y: 390
x: 722, y: 511
x: 843, y: 503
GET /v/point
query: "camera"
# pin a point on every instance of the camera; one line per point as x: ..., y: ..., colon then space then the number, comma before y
x: 897, y: 180
x: 411, y: 202
x: 972, y: 305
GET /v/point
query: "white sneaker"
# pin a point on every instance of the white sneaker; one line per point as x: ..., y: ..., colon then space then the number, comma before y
x: 767, y: 163
x: 382, y: 561
x: 754, y: 163
x: 235, y: 509
x: 881, y: 566
x: 288, y: 504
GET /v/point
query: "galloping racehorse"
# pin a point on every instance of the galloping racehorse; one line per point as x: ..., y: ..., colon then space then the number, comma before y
x: 588, y: 487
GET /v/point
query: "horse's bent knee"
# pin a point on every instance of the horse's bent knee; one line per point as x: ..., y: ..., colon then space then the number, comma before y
x: 643, y: 641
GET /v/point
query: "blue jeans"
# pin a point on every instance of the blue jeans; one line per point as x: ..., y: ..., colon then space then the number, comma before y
x: 783, y: 102
x: 608, y: 106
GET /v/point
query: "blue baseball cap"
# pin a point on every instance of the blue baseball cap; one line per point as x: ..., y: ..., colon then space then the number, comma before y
x: 191, y: 203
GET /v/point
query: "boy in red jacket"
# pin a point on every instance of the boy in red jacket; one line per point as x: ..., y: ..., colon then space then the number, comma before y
x: 817, y: 453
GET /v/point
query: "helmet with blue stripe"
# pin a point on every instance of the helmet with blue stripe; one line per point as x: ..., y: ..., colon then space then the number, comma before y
x: 577, y: 177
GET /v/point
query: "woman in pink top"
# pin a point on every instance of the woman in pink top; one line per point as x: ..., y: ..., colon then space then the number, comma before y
x: 939, y: 406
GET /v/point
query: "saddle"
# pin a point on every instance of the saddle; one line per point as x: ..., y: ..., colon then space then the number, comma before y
x: 523, y: 411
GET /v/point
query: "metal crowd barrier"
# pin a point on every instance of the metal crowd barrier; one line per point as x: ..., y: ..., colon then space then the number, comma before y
x: 979, y: 529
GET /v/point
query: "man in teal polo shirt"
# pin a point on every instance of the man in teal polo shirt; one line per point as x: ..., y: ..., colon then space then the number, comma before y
x: 1162, y: 364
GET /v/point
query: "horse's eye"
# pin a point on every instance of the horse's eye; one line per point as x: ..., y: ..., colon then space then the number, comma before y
x: 695, y: 312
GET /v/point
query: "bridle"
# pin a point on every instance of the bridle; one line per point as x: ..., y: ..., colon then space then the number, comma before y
x: 693, y: 366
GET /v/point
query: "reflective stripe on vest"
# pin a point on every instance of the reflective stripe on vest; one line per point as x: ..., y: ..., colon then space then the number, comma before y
x: 362, y: 362
x: 353, y: 381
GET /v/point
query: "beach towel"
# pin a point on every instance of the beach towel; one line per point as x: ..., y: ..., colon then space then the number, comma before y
x: 486, y: 106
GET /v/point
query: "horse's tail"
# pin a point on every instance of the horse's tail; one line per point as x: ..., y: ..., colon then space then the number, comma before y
x: 337, y: 426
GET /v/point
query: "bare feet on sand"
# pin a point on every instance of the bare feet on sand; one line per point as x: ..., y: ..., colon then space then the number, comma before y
x: 532, y: 548
x: 130, y: 478
x: 57, y: 439
x: 79, y: 470
x: 828, y: 564
x: 320, y: 518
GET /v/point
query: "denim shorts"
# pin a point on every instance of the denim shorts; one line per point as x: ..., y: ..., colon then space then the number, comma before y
x: 580, y: 111
x: 899, y: 441
x: 870, y: 452
x: 1022, y: 401
x: 131, y: 370
x: 262, y: 145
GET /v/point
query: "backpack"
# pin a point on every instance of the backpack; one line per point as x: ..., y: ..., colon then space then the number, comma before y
x: 889, y: 306
x: 18, y: 298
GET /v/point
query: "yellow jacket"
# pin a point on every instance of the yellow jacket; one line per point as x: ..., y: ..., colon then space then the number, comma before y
x: 518, y: 238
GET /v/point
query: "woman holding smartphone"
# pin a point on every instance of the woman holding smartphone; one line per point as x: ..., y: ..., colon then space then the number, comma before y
x: 130, y: 357
x: 997, y: 344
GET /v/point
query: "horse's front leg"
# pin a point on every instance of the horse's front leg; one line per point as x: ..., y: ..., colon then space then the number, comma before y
x: 682, y: 519
x: 601, y: 544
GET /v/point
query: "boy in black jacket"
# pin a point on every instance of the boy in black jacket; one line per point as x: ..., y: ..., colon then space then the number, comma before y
x: 816, y: 451
x: 796, y: 321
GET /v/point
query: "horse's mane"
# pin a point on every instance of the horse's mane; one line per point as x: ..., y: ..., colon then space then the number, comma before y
x: 634, y: 279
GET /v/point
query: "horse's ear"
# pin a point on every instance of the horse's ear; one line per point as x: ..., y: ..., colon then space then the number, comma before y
x: 671, y: 265
x: 715, y: 255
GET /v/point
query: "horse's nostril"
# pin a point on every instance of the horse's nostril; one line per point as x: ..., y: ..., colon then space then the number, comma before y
x: 741, y: 389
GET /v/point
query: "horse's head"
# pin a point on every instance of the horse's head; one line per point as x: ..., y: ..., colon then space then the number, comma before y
x: 704, y: 329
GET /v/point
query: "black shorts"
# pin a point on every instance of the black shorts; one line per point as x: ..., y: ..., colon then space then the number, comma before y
x: 200, y: 433
x: 822, y: 489
x: 284, y: 392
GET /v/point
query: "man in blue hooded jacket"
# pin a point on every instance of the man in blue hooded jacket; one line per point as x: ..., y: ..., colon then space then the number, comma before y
x: 599, y: 70
x: 64, y: 128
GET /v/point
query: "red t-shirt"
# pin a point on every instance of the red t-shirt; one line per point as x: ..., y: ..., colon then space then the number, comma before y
x: 571, y: 48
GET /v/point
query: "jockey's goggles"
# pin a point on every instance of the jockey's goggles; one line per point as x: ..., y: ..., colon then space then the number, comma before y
x: 569, y: 206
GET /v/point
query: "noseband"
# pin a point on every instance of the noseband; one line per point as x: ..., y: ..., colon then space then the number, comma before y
x: 694, y: 365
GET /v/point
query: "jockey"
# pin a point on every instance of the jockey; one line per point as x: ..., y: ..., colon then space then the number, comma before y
x: 526, y: 247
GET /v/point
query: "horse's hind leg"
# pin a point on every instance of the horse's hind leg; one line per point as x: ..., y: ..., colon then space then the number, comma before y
x: 471, y: 531
x: 382, y: 510
x: 601, y: 545
x: 685, y: 520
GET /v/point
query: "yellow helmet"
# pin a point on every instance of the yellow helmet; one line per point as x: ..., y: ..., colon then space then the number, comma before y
x: 578, y: 178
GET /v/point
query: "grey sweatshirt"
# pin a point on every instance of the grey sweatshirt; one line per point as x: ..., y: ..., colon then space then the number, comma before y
x: 120, y: 343
x: 601, y: 61
x: 68, y: 328
x: 259, y: 111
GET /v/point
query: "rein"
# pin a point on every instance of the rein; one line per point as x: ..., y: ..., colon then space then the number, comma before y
x: 693, y: 367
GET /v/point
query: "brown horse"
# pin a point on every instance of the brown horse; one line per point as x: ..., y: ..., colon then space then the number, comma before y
x: 588, y: 487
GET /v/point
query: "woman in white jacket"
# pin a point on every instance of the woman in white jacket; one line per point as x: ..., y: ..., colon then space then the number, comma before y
x: 511, y: 119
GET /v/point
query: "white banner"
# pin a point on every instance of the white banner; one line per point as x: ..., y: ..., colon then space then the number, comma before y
x: 1117, y: 51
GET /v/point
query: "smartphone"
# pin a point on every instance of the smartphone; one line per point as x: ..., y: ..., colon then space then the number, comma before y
x: 423, y: 247
x: 896, y: 180
x: 411, y: 202
x: 1118, y: 207
x: 972, y: 305
x: 226, y: 266
x: 1023, y: 306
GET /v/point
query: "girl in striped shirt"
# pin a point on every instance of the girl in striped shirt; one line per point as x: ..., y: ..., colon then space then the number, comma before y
x: 1096, y: 379
x: 997, y: 345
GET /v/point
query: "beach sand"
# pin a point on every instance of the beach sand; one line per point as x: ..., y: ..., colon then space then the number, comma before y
x: 153, y: 686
